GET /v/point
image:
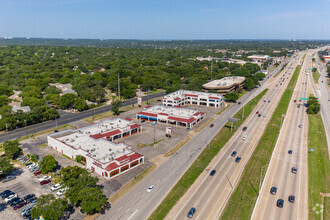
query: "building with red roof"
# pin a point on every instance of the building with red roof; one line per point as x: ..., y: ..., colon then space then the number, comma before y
x: 95, y: 144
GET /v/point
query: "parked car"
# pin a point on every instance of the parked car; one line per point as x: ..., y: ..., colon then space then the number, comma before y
x: 38, y: 172
x: 294, y: 170
x: 8, y: 178
x: 15, y: 202
x: 47, y: 177
x: 26, y: 209
x: 19, y: 205
x: 28, y: 164
x: 143, y: 121
x: 43, y: 182
x: 150, y: 188
x: 27, y: 214
x: 213, y: 172
x: 273, y: 190
x: 28, y: 196
x: 291, y: 198
x: 238, y: 159
x: 191, y: 212
x: 4, y: 192
x: 234, y: 153
x: 280, y: 203
x: 56, y: 187
x: 10, y: 198
x: 31, y: 200
x: 7, y: 194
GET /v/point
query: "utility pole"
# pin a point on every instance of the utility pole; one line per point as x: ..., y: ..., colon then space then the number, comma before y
x: 211, y: 68
x: 118, y: 87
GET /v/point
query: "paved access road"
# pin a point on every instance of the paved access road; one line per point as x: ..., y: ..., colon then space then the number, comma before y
x: 323, y: 95
x: 279, y: 174
x: 138, y: 203
x: 68, y: 118
x: 209, y: 194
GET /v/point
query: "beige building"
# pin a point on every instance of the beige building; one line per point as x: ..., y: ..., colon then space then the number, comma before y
x: 225, y: 85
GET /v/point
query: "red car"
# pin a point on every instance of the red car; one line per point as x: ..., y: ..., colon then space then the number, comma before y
x: 44, y: 182
x: 211, y: 125
x: 19, y: 205
x: 37, y: 172
x: 257, y: 112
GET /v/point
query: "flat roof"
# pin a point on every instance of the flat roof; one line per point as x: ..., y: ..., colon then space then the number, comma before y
x: 226, y: 81
x: 183, y: 93
x: 170, y: 111
x: 98, y: 148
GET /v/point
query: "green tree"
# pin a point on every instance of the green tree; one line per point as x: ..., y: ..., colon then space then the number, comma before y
x: 249, y: 84
x: 47, y: 164
x: 80, y: 105
x: 32, y: 102
x: 3, y: 100
x: 52, y: 90
x: 313, y: 106
x: 12, y: 149
x: 50, y: 208
x: 92, y: 199
x: 5, y: 165
x: 34, y: 158
x: 232, y: 96
x: 78, y: 158
x: 53, y: 98
x: 260, y: 76
x: 67, y: 101
x: 116, y: 103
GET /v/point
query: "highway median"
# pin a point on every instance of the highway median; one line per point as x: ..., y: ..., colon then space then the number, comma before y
x: 202, y: 161
x: 246, y: 192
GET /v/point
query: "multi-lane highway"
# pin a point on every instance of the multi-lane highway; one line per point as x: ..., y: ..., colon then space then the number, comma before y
x: 67, y: 118
x: 138, y: 203
x: 209, y: 194
x: 293, y: 136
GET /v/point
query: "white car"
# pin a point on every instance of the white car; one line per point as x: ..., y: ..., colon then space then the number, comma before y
x: 150, y: 188
x: 61, y: 192
x: 10, y: 197
x: 56, y: 187
x: 31, y: 165
x: 244, y: 137
x: 47, y: 177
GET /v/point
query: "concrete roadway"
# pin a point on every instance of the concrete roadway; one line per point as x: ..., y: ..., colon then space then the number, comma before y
x: 67, y: 118
x: 138, y: 203
x: 279, y: 171
x: 323, y: 95
x: 209, y: 194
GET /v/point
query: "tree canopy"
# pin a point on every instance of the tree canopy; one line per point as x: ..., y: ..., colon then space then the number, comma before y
x: 47, y: 164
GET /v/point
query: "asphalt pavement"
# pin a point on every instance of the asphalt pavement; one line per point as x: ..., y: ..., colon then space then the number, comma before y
x: 279, y: 173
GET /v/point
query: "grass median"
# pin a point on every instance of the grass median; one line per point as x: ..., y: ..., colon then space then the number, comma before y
x: 316, y: 76
x: 318, y: 166
x: 202, y: 161
x: 246, y: 192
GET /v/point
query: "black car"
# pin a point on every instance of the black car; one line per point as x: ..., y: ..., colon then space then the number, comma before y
x: 238, y: 159
x: 28, y: 164
x: 259, y: 115
x: 280, y: 203
x: 27, y: 214
x: 239, y: 103
x: 5, y: 192
x: 143, y: 121
x: 234, y: 153
x: 213, y: 172
x: 268, y: 101
x: 5, y: 195
x: 273, y: 190
x: 291, y: 198
x: 30, y: 200
x: 244, y: 129
x: 12, y: 204
x: 55, y: 131
x: 290, y: 152
x: 28, y: 196
x: 191, y: 212
x: 13, y: 200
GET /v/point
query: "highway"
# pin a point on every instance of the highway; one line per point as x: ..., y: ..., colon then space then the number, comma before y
x: 323, y: 95
x: 209, y: 194
x: 67, y: 118
x: 279, y: 173
x: 138, y: 203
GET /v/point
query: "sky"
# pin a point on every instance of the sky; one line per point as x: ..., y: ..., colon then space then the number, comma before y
x: 166, y: 19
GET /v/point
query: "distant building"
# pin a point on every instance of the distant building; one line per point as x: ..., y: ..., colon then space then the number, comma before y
x: 95, y: 144
x: 259, y: 58
x: 171, y: 115
x: 225, y: 85
x: 66, y: 88
x: 326, y: 59
x: 186, y: 97
x: 24, y: 109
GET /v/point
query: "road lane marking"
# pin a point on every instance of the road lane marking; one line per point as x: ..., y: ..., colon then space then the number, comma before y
x: 133, y: 214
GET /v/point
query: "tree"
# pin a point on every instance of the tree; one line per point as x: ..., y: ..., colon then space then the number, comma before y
x: 52, y: 90
x: 116, y: 103
x: 249, y: 84
x: 32, y: 102
x: 80, y: 105
x: 53, y: 98
x: 5, y: 165
x: 92, y: 199
x: 78, y: 158
x: 67, y: 101
x: 260, y: 76
x: 34, y: 158
x: 313, y: 105
x: 3, y: 100
x: 50, y: 208
x: 232, y: 96
x: 12, y: 149
x: 47, y: 164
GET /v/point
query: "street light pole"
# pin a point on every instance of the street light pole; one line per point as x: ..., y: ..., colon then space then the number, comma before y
x: 118, y: 87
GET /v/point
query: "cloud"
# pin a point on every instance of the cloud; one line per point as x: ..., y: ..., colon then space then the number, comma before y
x: 289, y: 15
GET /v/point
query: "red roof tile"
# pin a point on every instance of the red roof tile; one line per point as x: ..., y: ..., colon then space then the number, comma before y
x: 135, y: 156
x: 111, y: 166
x: 214, y: 98
x: 108, y: 134
x: 134, y: 126
x: 177, y: 98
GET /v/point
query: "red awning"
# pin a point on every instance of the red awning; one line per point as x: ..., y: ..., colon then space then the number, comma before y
x: 108, y: 134
x: 190, y: 120
x: 135, y: 126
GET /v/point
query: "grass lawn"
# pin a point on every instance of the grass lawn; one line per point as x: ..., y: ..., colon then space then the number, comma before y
x: 316, y: 76
x: 318, y: 166
x: 326, y: 208
x: 107, y: 114
x: 154, y: 91
x: 202, y: 161
x: 245, y: 194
